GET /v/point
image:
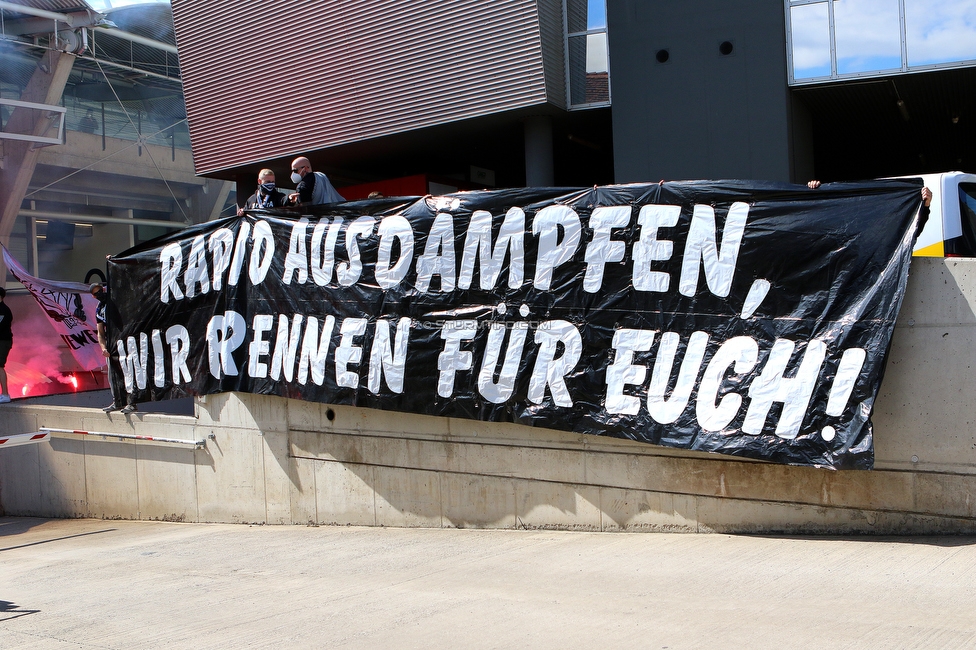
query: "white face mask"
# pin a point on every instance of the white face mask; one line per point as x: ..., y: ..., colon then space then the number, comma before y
x: 296, y: 178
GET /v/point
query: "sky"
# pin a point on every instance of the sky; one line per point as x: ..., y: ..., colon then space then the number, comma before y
x: 868, y: 34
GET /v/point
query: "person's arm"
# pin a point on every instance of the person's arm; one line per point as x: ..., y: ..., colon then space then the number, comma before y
x: 102, y: 341
x: 306, y: 188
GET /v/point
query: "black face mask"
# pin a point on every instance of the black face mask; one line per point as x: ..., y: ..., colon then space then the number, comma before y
x: 101, y: 296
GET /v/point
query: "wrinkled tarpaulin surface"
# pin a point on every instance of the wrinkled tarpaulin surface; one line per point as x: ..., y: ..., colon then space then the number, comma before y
x: 745, y: 318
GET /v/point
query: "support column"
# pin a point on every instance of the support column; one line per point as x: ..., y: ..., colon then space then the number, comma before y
x: 538, y: 151
x: 20, y: 157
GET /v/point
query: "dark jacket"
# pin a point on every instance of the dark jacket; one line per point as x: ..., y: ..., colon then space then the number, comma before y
x: 277, y: 197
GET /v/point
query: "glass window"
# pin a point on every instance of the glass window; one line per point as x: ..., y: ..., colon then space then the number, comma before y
x: 587, y: 57
x: 585, y: 15
x: 940, y: 31
x: 867, y: 35
x: 873, y: 36
x: 810, y: 31
x: 596, y: 14
x: 588, y: 70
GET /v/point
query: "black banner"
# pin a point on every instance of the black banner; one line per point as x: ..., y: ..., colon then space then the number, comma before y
x: 746, y: 318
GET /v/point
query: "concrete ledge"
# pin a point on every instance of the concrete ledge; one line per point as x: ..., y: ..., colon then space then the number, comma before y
x: 274, y: 460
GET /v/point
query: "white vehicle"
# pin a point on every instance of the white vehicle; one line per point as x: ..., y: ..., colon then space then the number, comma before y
x: 951, y: 228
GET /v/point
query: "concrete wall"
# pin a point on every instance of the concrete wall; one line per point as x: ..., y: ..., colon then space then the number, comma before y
x: 273, y: 460
x: 702, y: 114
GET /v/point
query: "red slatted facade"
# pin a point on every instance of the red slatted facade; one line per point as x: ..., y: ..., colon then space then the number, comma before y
x: 282, y: 77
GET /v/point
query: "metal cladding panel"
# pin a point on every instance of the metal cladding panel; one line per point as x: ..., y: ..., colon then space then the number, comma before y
x: 302, y: 75
x: 58, y: 6
x: 551, y: 25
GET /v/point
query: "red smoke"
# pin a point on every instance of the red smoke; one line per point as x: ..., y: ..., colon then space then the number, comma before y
x: 40, y: 362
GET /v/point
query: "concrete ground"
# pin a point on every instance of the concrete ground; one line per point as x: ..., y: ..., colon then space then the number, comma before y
x: 132, y: 584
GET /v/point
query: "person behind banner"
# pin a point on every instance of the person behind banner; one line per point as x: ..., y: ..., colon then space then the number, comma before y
x: 6, y: 343
x: 923, y: 212
x: 101, y: 320
x: 312, y: 188
x: 266, y: 196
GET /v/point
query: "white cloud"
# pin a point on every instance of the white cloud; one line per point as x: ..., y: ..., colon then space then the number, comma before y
x: 938, y: 31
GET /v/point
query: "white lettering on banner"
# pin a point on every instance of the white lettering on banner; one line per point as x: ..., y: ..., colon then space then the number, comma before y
x: 170, y: 261
x: 224, y: 335
x: 299, y: 342
x: 262, y: 252
x: 134, y: 358
x: 558, y: 228
x: 739, y: 353
x: 323, y: 257
x: 795, y: 393
x: 315, y: 349
x: 650, y: 249
x: 439, y: 256
x: 393, y: 228
x: 453, y: 359
x: 602, y: 250
x: 237, y: 263
x: 477, y: 243
x: 221, y: 246
x: 347, y: 353
x: 553, y: 250
x: 500, y: 391
x: 701, y: 247
x: 348, y: 272
x: 297, y: 257
x: 196, y: 269
x: 286, y: 347
x: 159, y: 369
x: 259, y: 347
x: 179, y: 348
x: 847, y: 372
x: 666, y: 411
x: 551, y: 370
x: 197, y: 273
x: 622, y: 372
x: 388, y: 357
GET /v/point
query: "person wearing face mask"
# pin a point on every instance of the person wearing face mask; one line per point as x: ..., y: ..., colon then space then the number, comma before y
x: 312, y: 188
x: 98, y: 290
x: 266, y: 196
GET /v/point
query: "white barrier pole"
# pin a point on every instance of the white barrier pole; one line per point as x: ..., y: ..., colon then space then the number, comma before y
x: 24, y: 439
x: 125, y: 436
